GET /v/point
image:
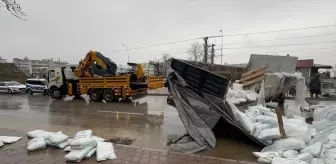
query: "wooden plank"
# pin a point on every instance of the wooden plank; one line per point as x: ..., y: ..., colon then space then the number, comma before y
x: 254, y: 71
x: 256, y: 75
x: 257, y: 80
x: 280, y: 122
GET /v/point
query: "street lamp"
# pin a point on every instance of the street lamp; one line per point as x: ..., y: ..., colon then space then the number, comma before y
x: 127, y: 51
x: 221, y: 47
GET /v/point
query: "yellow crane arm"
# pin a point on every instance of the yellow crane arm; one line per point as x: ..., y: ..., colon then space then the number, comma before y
x: 84, y: 65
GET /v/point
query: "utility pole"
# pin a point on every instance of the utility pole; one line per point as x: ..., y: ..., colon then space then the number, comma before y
x: 222, y: 48
x: 212, y: 53
x: 205, y: 49
x: 128, y: 56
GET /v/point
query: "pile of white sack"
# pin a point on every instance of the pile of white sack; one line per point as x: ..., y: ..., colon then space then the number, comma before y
x: 82, y: 145
x: 238, y: 95
x: 315, y: 144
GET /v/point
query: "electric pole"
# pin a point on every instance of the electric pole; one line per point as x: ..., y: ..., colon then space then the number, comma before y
x: 212, y: 53
x: 222, y: 47
x: 205, y: 49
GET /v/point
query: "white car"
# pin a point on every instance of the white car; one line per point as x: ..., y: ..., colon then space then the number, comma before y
x: 12, y: 87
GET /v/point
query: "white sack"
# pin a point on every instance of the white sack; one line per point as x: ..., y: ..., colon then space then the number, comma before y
x: 266, y: 157
x: 60, y: 145
x: 314, y: 149
x: 1, y: 144
x: 287, y: 161
x: 290, y: 153
x: 78, y: 155
x: 84, y: 134
x: 9, y: 139
x: 82, y: 143
x: 267, y: 119
x: 332, y: 136
x: 67, y: 149
x: 90, y: 154
x: 251, y: 97
x: 285, y: 144
x: 269, y: 134
x: 317, y: 161
x: 57, y: 137
x: 105, y: 151
x: 237, y: 86
x: 257, y: 129
x: 242, y: 100
x: 330, y: 144
x: 304, y: 157
x: 38, y: 134
x: 245, y: 122
x: 98, y: 139
x: 36, y: 144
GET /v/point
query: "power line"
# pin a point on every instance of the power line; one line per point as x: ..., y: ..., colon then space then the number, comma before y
x: 263, y: 32
x: 162, y: 51
x: 300, y: 37
x: 155, y: 45
x: 173, y: 42
x: 282, y: 45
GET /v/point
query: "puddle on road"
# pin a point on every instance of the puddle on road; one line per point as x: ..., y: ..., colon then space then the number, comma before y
x: 149, y: 124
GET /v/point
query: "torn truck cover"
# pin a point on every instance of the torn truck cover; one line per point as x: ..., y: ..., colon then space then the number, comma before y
x: 199, y: 97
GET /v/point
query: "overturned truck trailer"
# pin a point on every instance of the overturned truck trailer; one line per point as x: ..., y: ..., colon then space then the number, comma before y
x: 200, y: 99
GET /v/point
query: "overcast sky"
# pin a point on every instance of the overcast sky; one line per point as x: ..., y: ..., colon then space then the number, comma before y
x: 68, y: 29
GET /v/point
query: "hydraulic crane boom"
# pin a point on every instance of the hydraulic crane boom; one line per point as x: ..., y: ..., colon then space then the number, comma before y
x: 96, y: 64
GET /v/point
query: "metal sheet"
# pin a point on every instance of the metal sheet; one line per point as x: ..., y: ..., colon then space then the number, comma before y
x: 274, y: 63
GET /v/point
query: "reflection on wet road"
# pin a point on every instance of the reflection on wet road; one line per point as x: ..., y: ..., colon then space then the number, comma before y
x: 149, y: 123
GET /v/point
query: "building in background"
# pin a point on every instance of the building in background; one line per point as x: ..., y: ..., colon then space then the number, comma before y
x: 37, y: 68
x: 308, y: 68
x: 24, y: 65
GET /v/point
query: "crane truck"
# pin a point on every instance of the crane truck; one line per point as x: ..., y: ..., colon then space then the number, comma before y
x: 96, y: 76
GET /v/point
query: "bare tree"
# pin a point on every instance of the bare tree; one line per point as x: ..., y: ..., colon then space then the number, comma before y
x: 14, y: 8
x: 166, y: 59
x: 196, y: 51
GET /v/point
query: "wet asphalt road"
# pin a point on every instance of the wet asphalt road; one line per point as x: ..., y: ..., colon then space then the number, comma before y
x: 149, y: 123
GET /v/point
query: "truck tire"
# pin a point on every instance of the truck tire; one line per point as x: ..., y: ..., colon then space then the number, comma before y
x: 55, y: 93
x: 108, y: 95
x: 95, y: 95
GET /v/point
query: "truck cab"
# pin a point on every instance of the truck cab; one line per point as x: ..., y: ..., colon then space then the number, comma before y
x: 59, y: 80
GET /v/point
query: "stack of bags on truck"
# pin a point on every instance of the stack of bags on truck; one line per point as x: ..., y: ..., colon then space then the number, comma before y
x: 304, y: 144
x: 82, y: 145
x: 237, y: 95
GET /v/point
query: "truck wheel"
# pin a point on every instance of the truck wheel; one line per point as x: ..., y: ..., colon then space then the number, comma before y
x: 55, y: 93
x: 108, y: 95
x: 95, y: 95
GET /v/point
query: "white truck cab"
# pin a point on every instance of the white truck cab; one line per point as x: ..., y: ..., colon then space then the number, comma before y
x: 58, y: 79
